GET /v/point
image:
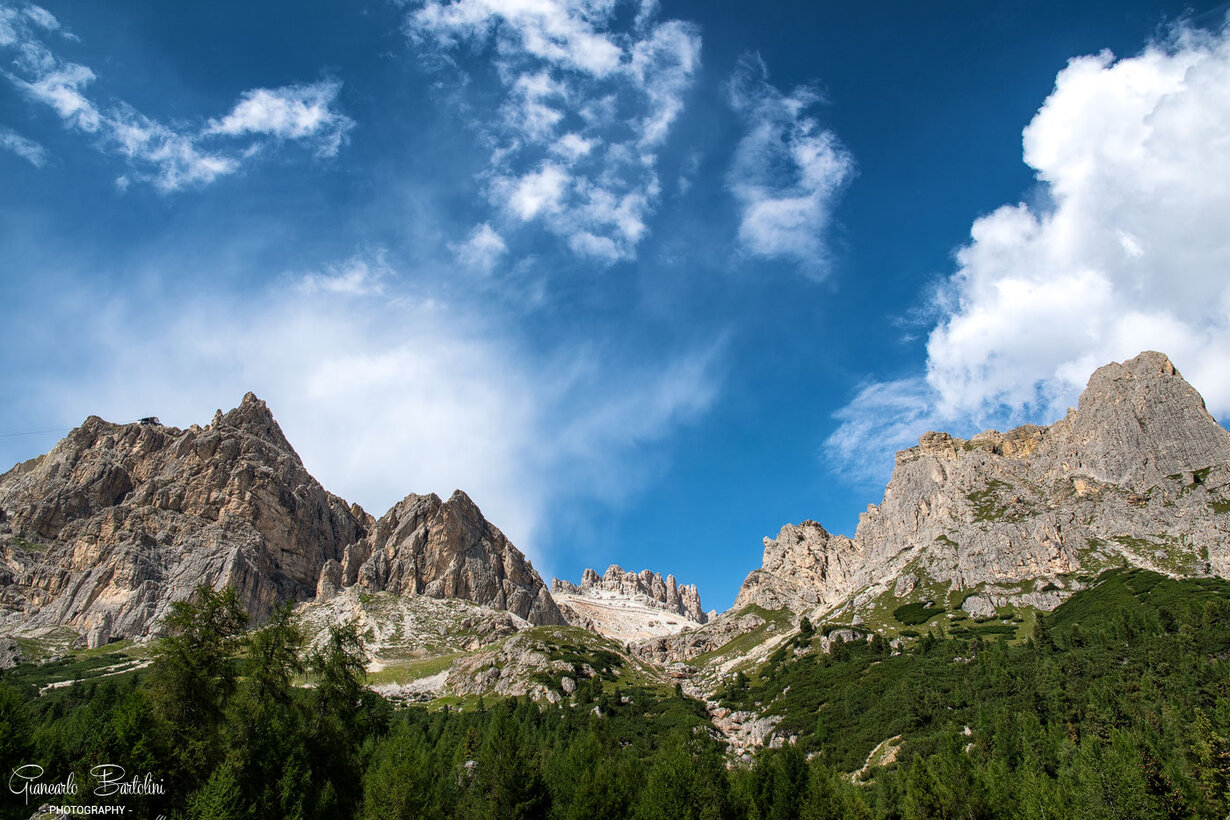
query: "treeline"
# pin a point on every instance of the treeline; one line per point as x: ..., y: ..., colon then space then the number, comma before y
x: 1118, y: 706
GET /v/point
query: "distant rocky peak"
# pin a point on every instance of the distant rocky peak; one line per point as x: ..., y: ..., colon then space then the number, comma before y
x: 645, y: 585
x: 443, y: 549
x: 253, y: 417
x: 129, y: 518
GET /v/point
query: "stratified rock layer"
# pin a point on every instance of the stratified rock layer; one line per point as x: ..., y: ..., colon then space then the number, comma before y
x: 1138, y: 474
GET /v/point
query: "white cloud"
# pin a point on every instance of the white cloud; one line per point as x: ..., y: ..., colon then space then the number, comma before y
x: 663, y: 65
x: 590, y: 96
x: 786, y: 172
x: 381, y: 396
x: 482, y: 250
x: 174, y: 160
x: 61, y: 89
x: 42, y: 18
x: 884, y: 417
x: 169, y: 157
x: 535, y: 105
x: 537, y: 192
x: 27, y: 149
x: 359, y: 275
x: 293, y: 112
x: 572, y: 147
x: 1131, y: 251
x: 566, y: 33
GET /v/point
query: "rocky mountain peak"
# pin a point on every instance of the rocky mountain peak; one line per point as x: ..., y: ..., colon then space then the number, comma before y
x: 254, y: 417
x: 1137, y: 422
x: 120, y: 520
x: 1137, y: 474
x: 646, y: 585
x: 443, y: 549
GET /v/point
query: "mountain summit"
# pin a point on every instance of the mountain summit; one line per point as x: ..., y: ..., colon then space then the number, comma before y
x: 118, y: 521
x: 1138, y: 474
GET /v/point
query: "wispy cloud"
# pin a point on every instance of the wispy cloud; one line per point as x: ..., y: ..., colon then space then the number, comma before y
x: 883, y: 417
x: 786, y: 172
x: 1129, y: 253
x: 170, y: 157
x: 382, y: 392
x: 27, y: 149
x: 590, y: 92
x: 360, y: 275
x: 294, y: 112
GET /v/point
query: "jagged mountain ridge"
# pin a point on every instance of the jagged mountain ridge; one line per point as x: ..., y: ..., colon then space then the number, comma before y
x: 1138, y: 474
x: 628, y: 606
x: 102, y: 534
x: 646, y: 585
x: 443, y: 549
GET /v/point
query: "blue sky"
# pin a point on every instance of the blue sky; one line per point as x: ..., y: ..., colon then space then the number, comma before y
x: 647, y: 280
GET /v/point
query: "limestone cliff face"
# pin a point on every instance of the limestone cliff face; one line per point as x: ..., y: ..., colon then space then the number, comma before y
x: 645, y: 586
x: 1139, y: 473
x: 119, y: 520
x: 444, y: 549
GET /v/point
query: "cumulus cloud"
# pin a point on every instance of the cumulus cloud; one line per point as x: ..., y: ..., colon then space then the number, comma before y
x: 589, y: 95
x: 27, y: 149
x: 482, y: 250
x: 1130, y: 251
x: 381, y: 396
x: 169, y: 157
x: 787, y: 170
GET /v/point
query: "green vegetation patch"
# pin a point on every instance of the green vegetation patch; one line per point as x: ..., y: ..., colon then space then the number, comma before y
x: 916, y: 614
x: 986, y: 502
x: 71, y: 668
x: 28, y: 546
x: 1134, y: 668
x: 410, y: 670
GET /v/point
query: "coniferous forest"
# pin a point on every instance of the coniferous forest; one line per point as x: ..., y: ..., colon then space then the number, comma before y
x: 1117, y: 705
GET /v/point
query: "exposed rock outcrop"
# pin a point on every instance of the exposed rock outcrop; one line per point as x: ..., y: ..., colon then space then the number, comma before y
x: 444, y: 549
x: 629, y: 606
x: 1138, y: 474
x: 804, y: 567
x: 646, y: 586
x: 10, y: 653
x: 118, y: 521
